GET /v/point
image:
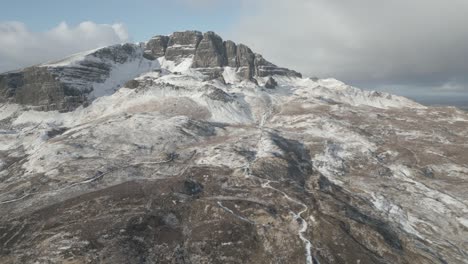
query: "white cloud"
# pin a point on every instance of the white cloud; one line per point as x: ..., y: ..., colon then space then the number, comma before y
x: 20, y: 47
x: 364, y: 42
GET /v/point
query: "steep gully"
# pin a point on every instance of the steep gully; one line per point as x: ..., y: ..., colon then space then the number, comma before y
x: 265, y: 184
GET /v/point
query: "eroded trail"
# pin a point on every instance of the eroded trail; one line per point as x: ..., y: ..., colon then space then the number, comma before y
x: 310, y: 258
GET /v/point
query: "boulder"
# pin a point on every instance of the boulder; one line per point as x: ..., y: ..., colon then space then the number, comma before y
x: 132, y: 84
x: 271, y: 83
x: 192, y: 187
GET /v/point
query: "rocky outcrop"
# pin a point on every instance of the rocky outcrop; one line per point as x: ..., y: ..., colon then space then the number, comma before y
x: 40, y: 88
x: 67, y: 84
x: 210, y: 52
x: 264, y: 68
x: 75, y: 81
x: 156, y: 47
x: 271, y: 83
x: 182, y: 44
x: 246, y: 62
x: 231, y: 53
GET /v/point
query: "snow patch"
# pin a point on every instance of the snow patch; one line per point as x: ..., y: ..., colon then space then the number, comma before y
x: 121, y: 73
x: 71, y: 60
x: 7, y: 110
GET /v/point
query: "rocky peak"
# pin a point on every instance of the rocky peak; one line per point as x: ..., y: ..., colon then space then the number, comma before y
x: 210, y: 53
x: 182, y: 44
x: 156, y: 47
x: 231, y: 53
x: 74, y: 81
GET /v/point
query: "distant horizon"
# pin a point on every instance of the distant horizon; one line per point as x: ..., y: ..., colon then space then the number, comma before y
x: 442, y: 101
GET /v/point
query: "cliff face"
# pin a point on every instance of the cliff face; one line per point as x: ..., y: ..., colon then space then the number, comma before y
x: 74, y: 81
x: 211, y: 54
x: 39, y: 87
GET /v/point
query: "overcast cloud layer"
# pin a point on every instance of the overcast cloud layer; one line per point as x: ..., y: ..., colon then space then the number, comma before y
x: 410, y: 47
x: 19, y: 47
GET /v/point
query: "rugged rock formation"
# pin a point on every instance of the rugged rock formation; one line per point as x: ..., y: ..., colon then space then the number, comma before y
x: 75, y: 81
x: 182, y: 44
x: 231, y: 54
x: 39, y: 87
x: 264, y: 68
x: 271, y: 83
x: 156, y: 47
x: 210, y: 52
x: 246, y: 61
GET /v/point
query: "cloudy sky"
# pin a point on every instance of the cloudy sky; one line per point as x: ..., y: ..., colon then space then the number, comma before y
x: 416, y: 48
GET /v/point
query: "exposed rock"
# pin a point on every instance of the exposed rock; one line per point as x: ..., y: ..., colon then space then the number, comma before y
x: 255, y: 81
x: 212, y: 73
x: 132, y: 84
x: 56, y: 132
x: 156, y: 47
x: 428, y: 172
x: 271, y: 83
x: 67, y: 84
x: 119, y: 54
x: 182, y: 44
x: 192, y: 187
x: 219, y: 95
x: 75, y: 81
x: 210, y: 52
x: 265, y: 68
x: 245, y: 58
x: 41, y: 88
x: 385, y: 172
x: 231, y: 54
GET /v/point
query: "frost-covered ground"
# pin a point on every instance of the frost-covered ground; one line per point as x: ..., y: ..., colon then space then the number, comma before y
x: 377, y: 178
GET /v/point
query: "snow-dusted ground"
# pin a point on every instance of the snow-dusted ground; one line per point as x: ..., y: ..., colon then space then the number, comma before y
x: 408, y: 161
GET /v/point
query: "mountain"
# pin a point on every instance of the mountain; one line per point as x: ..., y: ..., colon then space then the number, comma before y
x: 77, y: 80
x: 191, y: 149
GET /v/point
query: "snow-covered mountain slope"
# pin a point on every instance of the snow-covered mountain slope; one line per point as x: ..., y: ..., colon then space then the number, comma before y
x: 181, y: 166
x: 77, y: 80
x: 104, y: 70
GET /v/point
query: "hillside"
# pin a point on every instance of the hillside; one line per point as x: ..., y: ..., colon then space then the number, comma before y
x: 191, y: 149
